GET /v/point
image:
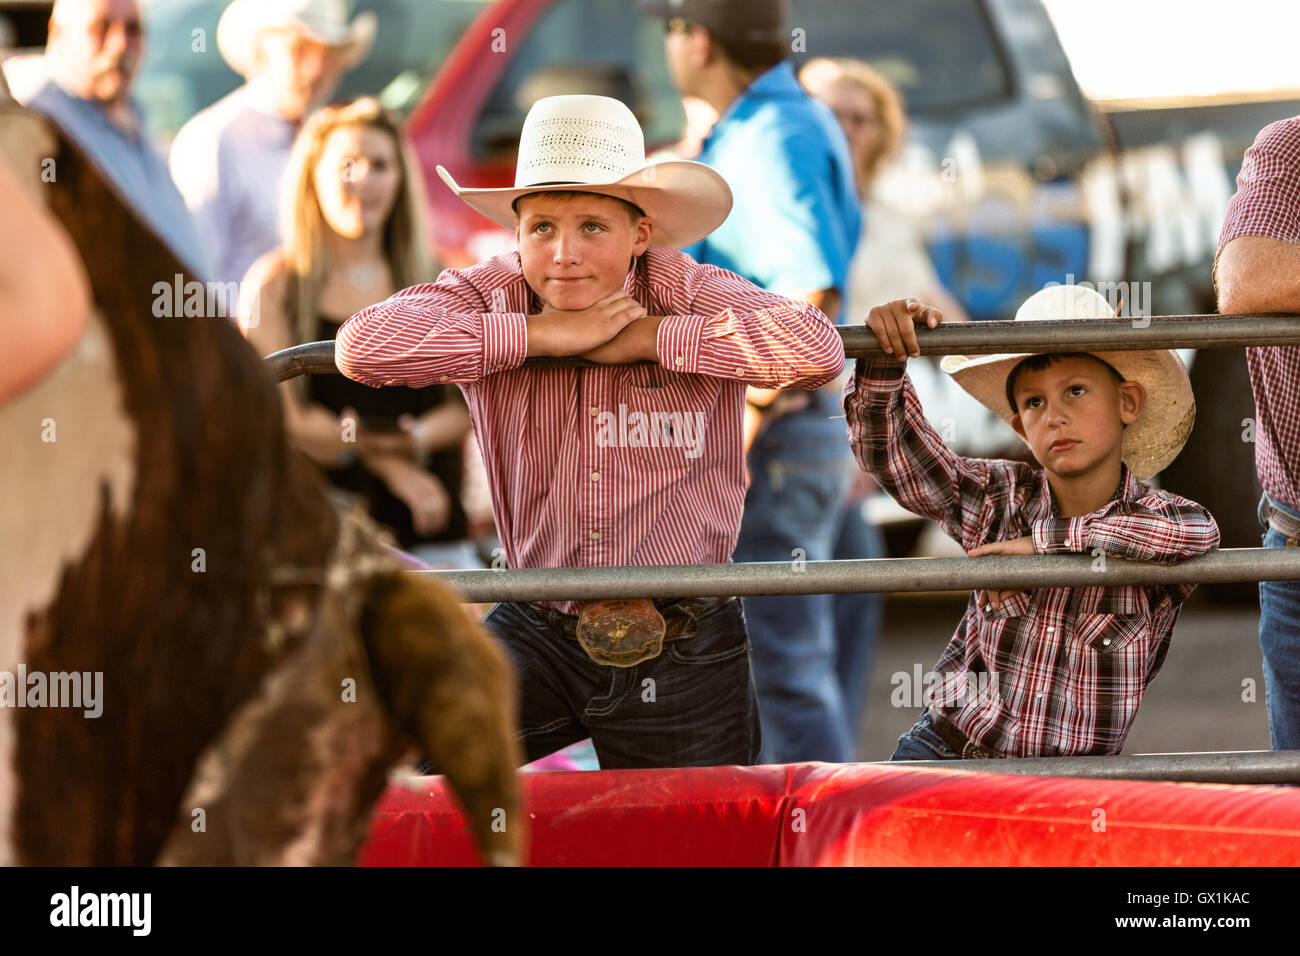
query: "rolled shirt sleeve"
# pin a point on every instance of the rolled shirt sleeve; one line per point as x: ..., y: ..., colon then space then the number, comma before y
x: 1267, y: 201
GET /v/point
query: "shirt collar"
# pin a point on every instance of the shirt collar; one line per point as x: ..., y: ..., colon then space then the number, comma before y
x: 777, y: 82
x: 1128, y: 489
x: 94, y: 109
x: 259, y: 97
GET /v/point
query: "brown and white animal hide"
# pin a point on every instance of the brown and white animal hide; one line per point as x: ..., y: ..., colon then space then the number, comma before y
x: 263, y: 660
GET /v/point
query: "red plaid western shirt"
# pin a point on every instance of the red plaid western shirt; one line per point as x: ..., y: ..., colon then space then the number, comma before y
x: 612, y: 465
x: 1055, y: 671
x: 1267, y: 203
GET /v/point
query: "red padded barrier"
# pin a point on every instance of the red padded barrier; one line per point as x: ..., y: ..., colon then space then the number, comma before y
x: 855, y: 814
x: 713, y: 816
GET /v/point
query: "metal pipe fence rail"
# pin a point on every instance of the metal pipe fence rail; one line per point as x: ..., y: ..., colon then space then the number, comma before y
x: 1018, y: 572
x: 874, y: 575
x: 935, y: 574
x: 972, y: 338
x: 1258, y: 767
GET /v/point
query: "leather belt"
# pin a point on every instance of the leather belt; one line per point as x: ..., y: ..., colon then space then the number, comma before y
x: 1280, y: 521
x: 680, y: 615
x: 959, y: 742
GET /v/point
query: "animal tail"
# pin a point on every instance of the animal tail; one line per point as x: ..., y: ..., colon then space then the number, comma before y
x: 450, y: 689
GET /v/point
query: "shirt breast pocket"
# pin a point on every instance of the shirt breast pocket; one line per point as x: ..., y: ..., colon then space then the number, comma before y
x: 1109, y: 620
x: 1109, y: 653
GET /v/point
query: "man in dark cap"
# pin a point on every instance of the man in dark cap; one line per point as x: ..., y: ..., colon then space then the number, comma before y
x: 792, y: 231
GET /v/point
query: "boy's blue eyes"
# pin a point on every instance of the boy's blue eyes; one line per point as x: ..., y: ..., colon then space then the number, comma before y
x: 546, y: 226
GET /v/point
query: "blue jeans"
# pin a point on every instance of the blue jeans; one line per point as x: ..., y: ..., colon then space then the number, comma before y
x: 1279, y: 639
x: 922, y: 743
x: 857, y: 616
x: 800, y: 468
x: 692, y: 706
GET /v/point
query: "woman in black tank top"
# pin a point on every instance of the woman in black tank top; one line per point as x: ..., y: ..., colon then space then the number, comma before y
x: 353, y: 236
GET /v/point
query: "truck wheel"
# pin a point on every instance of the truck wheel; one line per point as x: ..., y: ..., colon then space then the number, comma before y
x: 1217, y: 466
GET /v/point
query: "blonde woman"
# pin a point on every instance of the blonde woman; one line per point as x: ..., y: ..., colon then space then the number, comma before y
x: 352, y: 221
x: 891, y: 261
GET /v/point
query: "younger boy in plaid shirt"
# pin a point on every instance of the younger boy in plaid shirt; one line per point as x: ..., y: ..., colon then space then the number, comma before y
x: 1060, y: 670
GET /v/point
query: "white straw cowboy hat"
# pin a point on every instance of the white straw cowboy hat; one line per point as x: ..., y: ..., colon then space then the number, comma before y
x: 583, y: 143
x: 324, y: 21
x: 1160, y: 432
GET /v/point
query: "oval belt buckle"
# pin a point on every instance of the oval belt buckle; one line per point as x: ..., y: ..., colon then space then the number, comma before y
x: 621, y: 633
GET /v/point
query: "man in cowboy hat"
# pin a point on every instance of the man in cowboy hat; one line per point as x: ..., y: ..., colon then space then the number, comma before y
x: 635, y: 460
x: 91, y: 59
x: 1057, y: 671
x: 229, y: 158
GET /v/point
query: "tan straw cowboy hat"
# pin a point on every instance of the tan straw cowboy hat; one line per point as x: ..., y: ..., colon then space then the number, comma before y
x: 1160, y: 432
x: 324, y: 21
x: 582, y: 143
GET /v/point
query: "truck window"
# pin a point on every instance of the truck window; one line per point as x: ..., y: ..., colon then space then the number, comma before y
x: 942, y: 54
x: 583, y: 46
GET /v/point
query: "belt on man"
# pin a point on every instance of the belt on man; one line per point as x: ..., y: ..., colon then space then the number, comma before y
x: 959, y: 742
x: 679, y: 614
x: 1281, y: 521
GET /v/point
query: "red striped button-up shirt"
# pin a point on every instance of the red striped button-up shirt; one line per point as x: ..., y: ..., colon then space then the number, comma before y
x: 1054, y: 671
x: 616, y: 464
x: 1267, y: 203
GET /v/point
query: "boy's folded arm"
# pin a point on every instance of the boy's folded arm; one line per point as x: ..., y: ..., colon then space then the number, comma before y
x: 892, y: 440
x: 731, y: 329
x: 429, y: 334
x: 1161, y: 528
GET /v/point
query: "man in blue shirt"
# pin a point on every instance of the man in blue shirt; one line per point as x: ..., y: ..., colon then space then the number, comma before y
x: 92, y: 56
x: 792, y: 231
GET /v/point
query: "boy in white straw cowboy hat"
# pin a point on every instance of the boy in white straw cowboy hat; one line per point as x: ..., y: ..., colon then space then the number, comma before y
x: 633, y: 460
x: 1056, y: 671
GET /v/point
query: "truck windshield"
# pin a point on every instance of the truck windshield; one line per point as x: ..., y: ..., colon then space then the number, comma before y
x: 942, y: 54
x: 584, y: 46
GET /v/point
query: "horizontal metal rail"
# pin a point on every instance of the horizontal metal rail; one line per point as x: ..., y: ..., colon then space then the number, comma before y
x: 972, y: 338
x: 1234, y: 767
x: 874, y: 575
